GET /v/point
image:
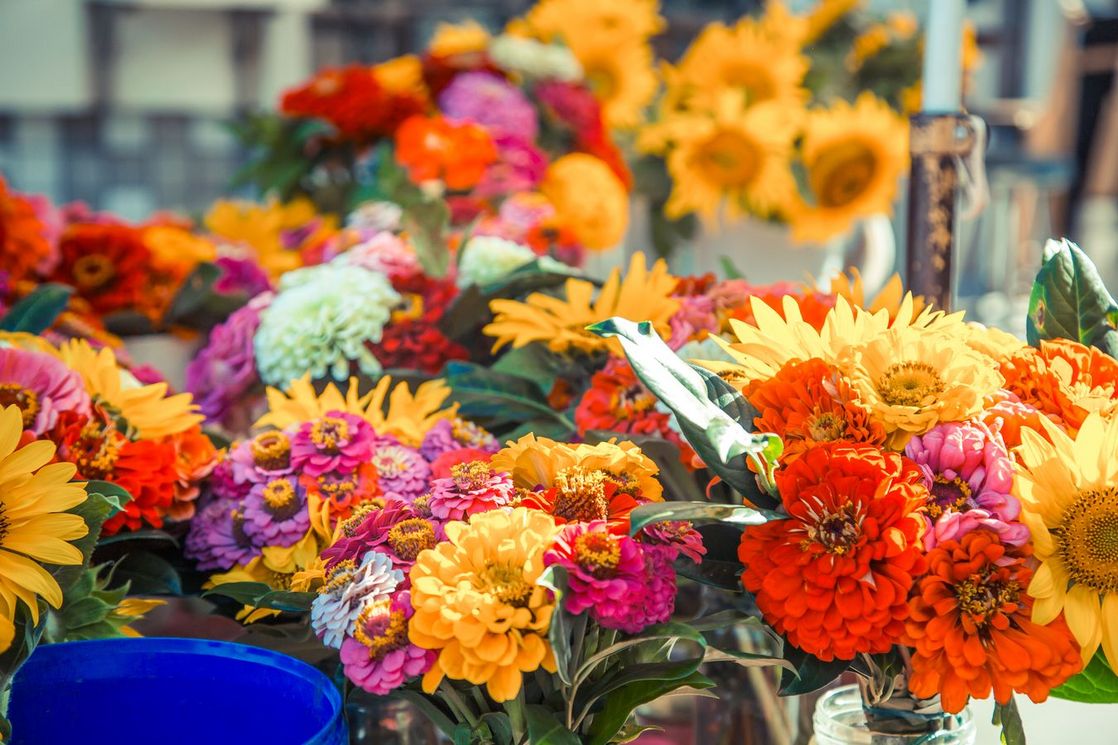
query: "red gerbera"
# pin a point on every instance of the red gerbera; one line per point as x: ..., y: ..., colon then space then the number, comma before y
x: 970, y: 624
x: 617, y: 401
x: 146, y: 469
x: 834, y: 577
x: 352, y: 100
x: 106, y: 263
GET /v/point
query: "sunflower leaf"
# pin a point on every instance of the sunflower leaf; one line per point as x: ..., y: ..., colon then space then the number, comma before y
x: 1097, y: 684
x: 545, y: 729
x: 1069, y: 301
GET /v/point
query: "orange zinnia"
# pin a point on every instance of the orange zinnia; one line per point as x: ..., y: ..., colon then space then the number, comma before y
x: 1064, y: 379
x: 1007, y: 416
x: 107, y: 264
x: 807, y: 403
x: 834, y: 577
x: 970, y: 626
x: 24, y: 244
x: 437, y: 148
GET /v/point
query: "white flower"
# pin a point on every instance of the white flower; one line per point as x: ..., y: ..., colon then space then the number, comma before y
x: 376, y: 216
x: 321, y: 321
x: 334, y: 612
x: 535, y: 60
x: 486, y: 259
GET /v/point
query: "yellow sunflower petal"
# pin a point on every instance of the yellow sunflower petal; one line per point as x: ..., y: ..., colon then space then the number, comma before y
x: 1084, y: 616
x: 28, y: 458
x: 44, y: 548
x: 20, y: 572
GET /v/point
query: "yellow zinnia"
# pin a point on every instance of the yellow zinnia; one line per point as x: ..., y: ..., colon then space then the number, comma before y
x: 589, y: 198
x: 854, y: 157
x: 1069, y: 497
x: 35, y: 528
x: 147, y: 408
x: 261, y: 227
x: 534, y: 461
x: 477, y: 602
x: 452, y: 39
x: 561, y: 323
x: 912, y: 379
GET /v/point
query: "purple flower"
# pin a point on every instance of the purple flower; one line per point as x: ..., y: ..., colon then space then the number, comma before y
x: 337, y: 442
x: 455, y: 434
x: 471, y: 488
x: 492, y: 102
x: 225, y: 369
x: 395, y: 530
x: 520, y: 167
x: 223, y: 480
x: 240, y: 276
x: 264, y: 457
x: 275, y: 513
x: 967, y: 470
x: 402, y: 471
x: 378, y: 657
x: 217, y: 538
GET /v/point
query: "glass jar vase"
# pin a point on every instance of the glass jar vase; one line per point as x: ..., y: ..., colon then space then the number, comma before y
x: 840, y: 720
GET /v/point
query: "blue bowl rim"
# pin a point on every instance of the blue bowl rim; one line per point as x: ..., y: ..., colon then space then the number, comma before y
x: 209, y: 648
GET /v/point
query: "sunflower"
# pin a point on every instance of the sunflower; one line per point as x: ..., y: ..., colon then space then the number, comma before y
x: 737, y: 157
x: 825, y: 15
x: 147, y: 408
x: 561, y: 323
x: 483, y: 577
x: 390, y: 409
x: 849, y: 285
x: 1069, y: 495
x: 34, y: 525
x: 535, y: 462
x: 621, y: 76
x: 853, y: 157
x: 911, y: 380
x: 621, y: 20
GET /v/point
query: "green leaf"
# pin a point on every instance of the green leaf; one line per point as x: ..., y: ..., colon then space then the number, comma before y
x: 244, y: 593
x: 545, y: 729
x: 529, y: 278
x: 619, y: 707
x: 728, y: 268
x: 428, y: 706
x: 463, y: 735
x: 671, y: 631
x: 532, y: 362
x: 497, y: 398
x: 38, y: 311
x: 724, y: 575
x: 95, y: 510
x: 1097, y: 684
x: 810, y: 672
x: 197, y: 304
x: 84, y: 612
x: 1009, y: 718
x: 148, y: 574
x: 499, y: 725
x: 117, y: 496
x: 426, y: 223
x: 554, y: 578
x: 655, y: 512
x: 261, y: 595
x: 1069, y: 301
x: 139, y: 536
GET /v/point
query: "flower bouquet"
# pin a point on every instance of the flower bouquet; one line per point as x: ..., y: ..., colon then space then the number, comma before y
x: 923, y: 497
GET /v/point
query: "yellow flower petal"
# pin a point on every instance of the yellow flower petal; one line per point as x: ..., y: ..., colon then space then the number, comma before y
x: 1083, y: 614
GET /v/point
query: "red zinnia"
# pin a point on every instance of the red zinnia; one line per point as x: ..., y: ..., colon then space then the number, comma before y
x: 581, y: 495
x: 413, y: 341
x: 352, y: 100
x: 970, y: 624
x: 834, y: 577
x: 106, y: 263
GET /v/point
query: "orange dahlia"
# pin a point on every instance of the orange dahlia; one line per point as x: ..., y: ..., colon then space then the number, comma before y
x: 25, y: 247
x: 106, y: 263
x: 436, y: 148
x: 834, y: 577
x: 808, y: 403
x: 969, y: 622
x: 1065, y: 380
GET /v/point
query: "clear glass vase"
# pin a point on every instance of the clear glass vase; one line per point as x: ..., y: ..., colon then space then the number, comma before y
x: 840, y: 720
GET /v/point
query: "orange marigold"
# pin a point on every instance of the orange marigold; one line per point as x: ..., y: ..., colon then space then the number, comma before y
x: 1064, y: 379
x: 969, y: 622
x: 437, y: 148
x: 808, y: 403
x: 834, y: 577
x: 25, y: 247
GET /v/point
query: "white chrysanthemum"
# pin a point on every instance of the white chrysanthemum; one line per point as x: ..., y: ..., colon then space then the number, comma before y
x: 321, y: 321
x: 486, y: 259
x: 334, y: 612
x: 376, y: 216
x: 535, y: 60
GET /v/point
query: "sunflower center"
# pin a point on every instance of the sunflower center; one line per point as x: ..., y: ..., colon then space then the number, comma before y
x: 826, y: 427
x: 580, y: 495
x: 599, y: 552
x: 837, y: 532
x: 329, y: 433
x: 909, y: 384
x: 408, y: 537
x: 239, y: 535
x: 472, y: 476
x: 380, y: 628
x: 982, y: 596
x: 751, y: 78
x: 1087, y: 539
x: 280, y: 499
x: 728, y: 159
x: 506, y: 583
x: 948, y: 495
x: 842, y: 174
x: 26, y: 399
x: 602, y: 80
x: 93, y: 271
x: 271, y: 451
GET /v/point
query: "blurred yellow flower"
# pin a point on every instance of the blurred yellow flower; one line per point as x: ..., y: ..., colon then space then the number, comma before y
x: 403, y: 74
x: 534, y: 462
x: 451, y: 39
x: 621, y: 76
x: 621, y: 20
x: 589, y: 198
x: 825, y: 15
x: 261, y: 228
x: 173, y: 246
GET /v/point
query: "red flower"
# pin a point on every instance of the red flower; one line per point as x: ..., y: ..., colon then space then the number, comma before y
x: 456, y: 153
x: 106, y: 263
x: 617, y: 401
x: 440, y: 467
x: 834, y: 577
x: 352, y: 100
x: 970, y: 624
x: 413, y: 341
x: 25, y: 245
x: 581, y: 495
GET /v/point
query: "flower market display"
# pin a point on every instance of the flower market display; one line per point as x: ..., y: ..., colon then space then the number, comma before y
x: 925, y: 500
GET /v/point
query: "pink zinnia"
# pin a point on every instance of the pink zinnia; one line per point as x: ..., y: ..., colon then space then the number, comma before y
x: 395, y: 529
x: 337, y: 441
x: 386, y: 253
x: 967, y: 469
x: 605, y: 572
x: 471, y: 488
x: 41, y: 386
x: 402, y: 471
x: 695, y: 314
x: 677, y: 534
x: 265, y: 456
x: 275, y: 513
x: 440, y: 467
x: 492, y: 102
x: 378, y: 657
x: 520, y: 167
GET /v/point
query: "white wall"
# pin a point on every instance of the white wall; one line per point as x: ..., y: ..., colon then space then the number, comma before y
x: 43, y: 53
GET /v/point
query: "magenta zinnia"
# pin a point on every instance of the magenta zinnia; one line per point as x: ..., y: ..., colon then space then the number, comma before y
x: 472, y: 488
x: 379, y: 657
x: 41, y: 386
x: 335, y: 442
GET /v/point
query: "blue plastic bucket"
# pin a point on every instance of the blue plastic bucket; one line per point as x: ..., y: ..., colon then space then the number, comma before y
x: 172, y: 692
